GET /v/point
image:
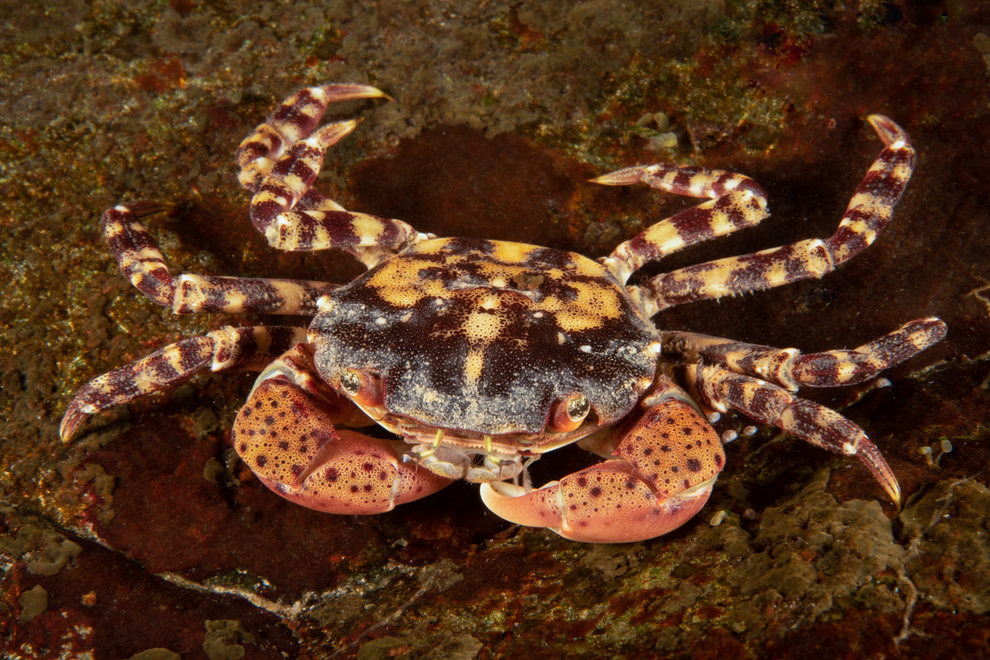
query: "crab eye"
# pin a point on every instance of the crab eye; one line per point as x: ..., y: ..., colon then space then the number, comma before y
x: 350, y: 380
x: 568, y: 413
x: 364, y: 388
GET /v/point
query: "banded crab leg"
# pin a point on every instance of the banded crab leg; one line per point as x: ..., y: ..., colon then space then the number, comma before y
x: 868, y: 212
x: 220, y: 350
x: 293, y: 120
x: 279, y: 163
x: 286, y: 434
x: 143, y: 264
x: 791, y: 369
x: 720, y: 389
x: 736, y: 202
x: 658, y: 473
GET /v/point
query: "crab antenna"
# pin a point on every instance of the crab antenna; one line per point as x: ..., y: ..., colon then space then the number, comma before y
x: 436, y: 445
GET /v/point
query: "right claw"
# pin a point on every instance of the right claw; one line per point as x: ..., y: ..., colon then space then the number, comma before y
x: 287, y: 438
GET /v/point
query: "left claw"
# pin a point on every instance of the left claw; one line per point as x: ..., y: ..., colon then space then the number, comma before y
x: 662, y: 474
x: 287, y: 434
x: 287, y: 437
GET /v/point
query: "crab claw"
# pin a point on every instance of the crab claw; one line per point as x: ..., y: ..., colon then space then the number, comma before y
x: 606, y: 503
x: 287, y: 438
x: 662, y: 474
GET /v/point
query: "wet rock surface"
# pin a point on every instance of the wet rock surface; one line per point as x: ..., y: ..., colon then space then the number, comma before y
x: 500, y: 114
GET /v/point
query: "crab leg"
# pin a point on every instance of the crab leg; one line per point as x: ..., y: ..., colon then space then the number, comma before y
x: 280, y: 162
x: 294, y: 119
x: 659, y: 474
x: 869, y: 210
x: 286, y: 434
x: 227, y: 348
x: 736, y: 202
x: 143, y: 264
x: 791, y: 369
x: 721, y: 389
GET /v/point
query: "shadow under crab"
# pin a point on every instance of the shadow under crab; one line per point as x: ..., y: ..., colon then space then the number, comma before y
x: 481, y: 356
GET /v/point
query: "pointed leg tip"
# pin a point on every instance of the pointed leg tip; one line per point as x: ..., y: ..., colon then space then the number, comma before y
x: 888, y: 130
x: 870, y: 455
x: 331, y: 134
x: 348, y: 91
x: 70, y: 424
x: 880, y: 122
x: 375, y: 93
x: 893, y: 490
x: 624, y: 177
x: 891, y: 486
x: 74, y: 418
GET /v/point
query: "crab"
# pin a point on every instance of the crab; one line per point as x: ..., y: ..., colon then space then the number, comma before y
x: 477, y: 357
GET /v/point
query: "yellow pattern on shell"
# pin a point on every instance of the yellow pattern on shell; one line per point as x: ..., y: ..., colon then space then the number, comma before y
x: 403, y: 282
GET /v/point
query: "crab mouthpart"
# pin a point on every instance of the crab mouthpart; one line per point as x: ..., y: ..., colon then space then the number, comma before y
x: 456, y: 458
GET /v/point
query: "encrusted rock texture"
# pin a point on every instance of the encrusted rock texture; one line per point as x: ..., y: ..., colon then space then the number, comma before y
x: 147, y: 538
